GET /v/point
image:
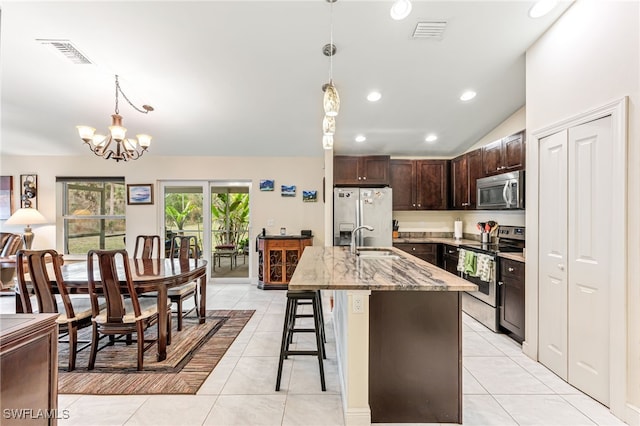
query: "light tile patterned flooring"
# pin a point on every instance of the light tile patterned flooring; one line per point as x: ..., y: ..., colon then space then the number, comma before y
x: 501, y: 386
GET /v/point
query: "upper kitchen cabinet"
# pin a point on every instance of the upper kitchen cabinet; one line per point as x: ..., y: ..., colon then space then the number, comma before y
x: 420, y: 184
x: 505, y: 155
x: 465, y: 170
x: 370, y: 170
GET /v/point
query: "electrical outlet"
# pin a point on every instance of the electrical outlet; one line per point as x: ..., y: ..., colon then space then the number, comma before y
x: 357, y: 304
x: 270, y: 222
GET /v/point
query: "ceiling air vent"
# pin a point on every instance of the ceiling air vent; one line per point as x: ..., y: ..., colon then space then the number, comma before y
x: 67, y: 49
x: 430, y: 30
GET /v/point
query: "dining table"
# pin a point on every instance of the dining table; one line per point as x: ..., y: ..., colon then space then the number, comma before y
x: 148, y: 275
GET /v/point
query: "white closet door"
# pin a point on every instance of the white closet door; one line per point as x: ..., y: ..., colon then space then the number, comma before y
x: 553, y: 253
x: 589, y: 247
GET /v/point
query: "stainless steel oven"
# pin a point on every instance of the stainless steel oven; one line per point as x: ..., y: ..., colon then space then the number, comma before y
x: 483, y: 304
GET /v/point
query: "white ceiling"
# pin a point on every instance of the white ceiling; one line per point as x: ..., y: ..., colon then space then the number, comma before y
x: 243, y: 78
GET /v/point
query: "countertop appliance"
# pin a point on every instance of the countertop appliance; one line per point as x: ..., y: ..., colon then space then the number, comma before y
x: 353, y: 207
x: 500, y: 192
x: 483, y: 304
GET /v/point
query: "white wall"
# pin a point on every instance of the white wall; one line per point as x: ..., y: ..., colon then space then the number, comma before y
x: 289, y: 212
x: 515, y: 123
x: 589, y: 58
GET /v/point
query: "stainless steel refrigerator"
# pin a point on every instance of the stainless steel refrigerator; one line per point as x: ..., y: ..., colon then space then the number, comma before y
x: 353, y: 207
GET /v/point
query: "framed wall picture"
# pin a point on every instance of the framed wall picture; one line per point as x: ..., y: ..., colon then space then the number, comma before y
x: 266, y: 184
x: 140, y: 193
x: 309, y: 196
x: 6, y: 196
x: 288, y: 190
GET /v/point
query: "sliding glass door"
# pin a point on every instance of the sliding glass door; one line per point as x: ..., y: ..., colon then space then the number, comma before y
x: 217, y: 214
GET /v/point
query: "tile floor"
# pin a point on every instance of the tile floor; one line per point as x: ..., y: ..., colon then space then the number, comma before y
x: 501, y: 386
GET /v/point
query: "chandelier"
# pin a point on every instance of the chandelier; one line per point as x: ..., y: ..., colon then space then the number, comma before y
x: 115, y: 146
x: 331, y: 99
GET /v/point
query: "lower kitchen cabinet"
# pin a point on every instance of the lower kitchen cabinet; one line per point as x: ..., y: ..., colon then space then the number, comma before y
x: 429, y: 252
x: 450, y: 258
x: 511, y: 288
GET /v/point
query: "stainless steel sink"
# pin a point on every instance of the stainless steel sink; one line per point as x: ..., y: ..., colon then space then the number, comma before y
x: 380, y: 253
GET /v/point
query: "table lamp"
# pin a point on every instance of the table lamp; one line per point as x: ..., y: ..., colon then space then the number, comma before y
x: 26, y: 216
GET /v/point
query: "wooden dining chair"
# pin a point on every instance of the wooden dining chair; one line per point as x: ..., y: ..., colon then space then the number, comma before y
x: 184, y: 247
x: 122, y: 316
x: 147, y: 247
x: 74, y: 313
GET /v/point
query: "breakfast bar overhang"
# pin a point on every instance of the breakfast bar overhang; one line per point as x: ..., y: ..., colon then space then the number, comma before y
x: 398, y: 327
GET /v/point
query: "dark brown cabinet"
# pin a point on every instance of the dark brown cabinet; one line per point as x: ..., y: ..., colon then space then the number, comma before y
x: 420, y: 184
x: 370, y: 170
x: 465, y: 171
x: 29, y: 368
x: 429, y: 252
x: 505, y: 155
x: 450, y: 258
x: 511, y: 288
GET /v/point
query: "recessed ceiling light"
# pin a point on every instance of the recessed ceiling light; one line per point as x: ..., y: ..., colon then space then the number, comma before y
x: 400, y: 9
x: 374, y: 96
x: 468, y: 95
x: 361, y: 138
x: 431, y: 138
x: 541, y: 8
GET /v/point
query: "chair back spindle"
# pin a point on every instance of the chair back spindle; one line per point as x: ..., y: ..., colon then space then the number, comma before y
x: 108, y: 265
x: 147, y: 247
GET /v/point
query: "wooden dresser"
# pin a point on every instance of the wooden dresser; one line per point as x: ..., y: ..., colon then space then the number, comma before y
x: 29, y: 369
x: 278, y: 256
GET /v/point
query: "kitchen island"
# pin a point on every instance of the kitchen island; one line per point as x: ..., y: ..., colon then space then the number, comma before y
x: 398, y: 328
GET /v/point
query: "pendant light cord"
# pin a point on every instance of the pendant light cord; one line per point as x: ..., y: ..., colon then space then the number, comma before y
x: 331, y: 49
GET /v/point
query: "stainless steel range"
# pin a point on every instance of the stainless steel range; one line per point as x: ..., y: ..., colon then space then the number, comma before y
x: 483, y: 304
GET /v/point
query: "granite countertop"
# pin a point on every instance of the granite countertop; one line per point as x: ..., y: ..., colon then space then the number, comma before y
x: 519, y: 257
x: 335, y: 268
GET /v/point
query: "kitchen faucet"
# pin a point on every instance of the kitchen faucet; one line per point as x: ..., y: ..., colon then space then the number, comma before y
x: 353, y: 236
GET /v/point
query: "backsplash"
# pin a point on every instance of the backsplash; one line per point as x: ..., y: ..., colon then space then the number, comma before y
x: 439, y: 223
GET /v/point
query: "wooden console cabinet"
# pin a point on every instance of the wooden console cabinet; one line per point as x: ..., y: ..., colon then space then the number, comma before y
x: 29, y: 369
x: 278, y: 256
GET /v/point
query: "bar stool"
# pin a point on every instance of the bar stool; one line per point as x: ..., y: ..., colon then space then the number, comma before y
x: 320, y: 314
x: 294, y: 299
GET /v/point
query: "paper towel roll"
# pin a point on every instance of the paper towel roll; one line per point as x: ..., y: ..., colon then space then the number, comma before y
x: 457, y: 229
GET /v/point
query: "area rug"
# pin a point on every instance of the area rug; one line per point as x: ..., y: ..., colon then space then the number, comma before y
x: 193, y: 354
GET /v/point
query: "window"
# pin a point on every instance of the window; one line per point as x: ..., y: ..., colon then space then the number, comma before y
x: 93, y: 214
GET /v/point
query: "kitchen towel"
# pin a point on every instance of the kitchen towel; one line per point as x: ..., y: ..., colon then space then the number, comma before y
x: 485, y: 267
x: 461, y: 253
x: 470, y: 263
x: 457, y: 229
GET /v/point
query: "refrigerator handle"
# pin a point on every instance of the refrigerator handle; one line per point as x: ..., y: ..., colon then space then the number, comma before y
x: 360, y: 222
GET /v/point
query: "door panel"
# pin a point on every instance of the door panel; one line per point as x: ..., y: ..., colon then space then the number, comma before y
x: 589, y: 261
x: 553, y: 253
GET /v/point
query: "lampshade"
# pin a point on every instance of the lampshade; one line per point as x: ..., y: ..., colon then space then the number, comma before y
x: 26, y: 216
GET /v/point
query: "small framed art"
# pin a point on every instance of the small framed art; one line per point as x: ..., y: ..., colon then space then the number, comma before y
x: 266, y: 184
x: 141, y: 193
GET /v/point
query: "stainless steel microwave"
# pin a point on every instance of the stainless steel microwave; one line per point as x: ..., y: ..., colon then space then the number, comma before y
x: 499, y: 192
